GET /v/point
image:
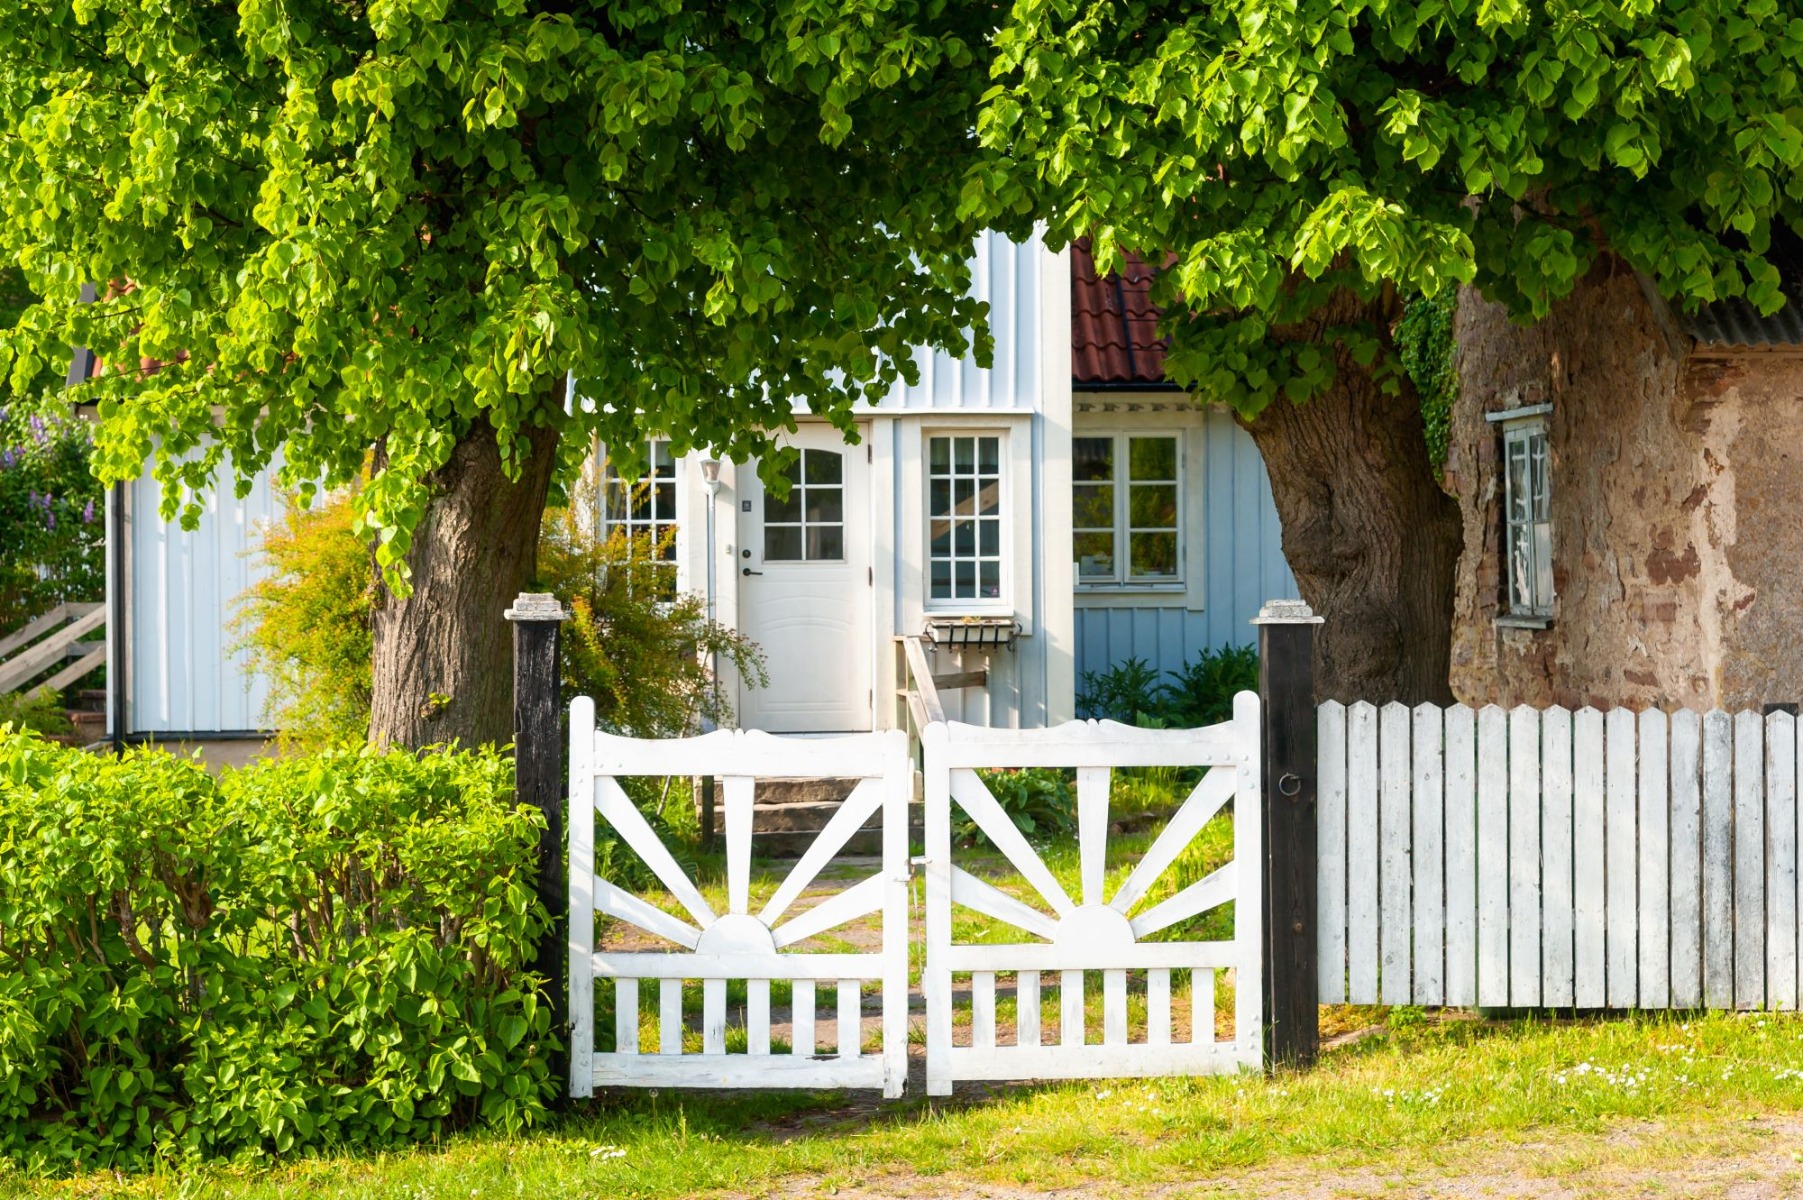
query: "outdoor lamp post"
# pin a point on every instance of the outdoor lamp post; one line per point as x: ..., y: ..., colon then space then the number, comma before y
x: 710, y: 473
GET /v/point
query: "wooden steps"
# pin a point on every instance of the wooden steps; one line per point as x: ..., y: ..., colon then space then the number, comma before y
x: 790, y: 812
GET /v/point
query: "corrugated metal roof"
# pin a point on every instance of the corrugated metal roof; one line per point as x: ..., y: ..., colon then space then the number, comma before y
x: 1736, y: 323
x: 1114, y: 324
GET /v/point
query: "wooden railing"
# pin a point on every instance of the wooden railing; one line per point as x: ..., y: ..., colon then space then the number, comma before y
x: 41, y: 644
x: 917, y: 692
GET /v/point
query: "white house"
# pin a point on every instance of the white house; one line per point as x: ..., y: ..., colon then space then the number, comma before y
x: 1077, y: 508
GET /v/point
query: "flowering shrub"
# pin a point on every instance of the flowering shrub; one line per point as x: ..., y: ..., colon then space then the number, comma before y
x: 52, y: 539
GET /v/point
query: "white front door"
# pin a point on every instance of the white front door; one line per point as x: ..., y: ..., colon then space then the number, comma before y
x: 805, y: 588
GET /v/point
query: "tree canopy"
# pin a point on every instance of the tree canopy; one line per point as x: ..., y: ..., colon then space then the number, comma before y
x: 335, y: 227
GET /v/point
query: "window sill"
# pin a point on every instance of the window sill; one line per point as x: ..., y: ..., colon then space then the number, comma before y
x: 1173, y: 587
x: 1516, y: 621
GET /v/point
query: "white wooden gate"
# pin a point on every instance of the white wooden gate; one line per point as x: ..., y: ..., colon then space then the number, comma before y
x: 1096, y: 933
x: 715, y: 948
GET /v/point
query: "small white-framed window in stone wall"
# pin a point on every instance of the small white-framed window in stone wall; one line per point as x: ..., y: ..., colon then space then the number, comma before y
x: 1527, y: 511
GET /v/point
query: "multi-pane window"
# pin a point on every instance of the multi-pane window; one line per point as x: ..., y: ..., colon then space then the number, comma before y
x: 964, y: 518
x: 1527, y: 516
x: 808, y: 525
x: 1124, y: 502
x: 645, y: 507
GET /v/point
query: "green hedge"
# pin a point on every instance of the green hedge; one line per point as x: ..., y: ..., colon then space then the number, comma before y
x: 327, y: 950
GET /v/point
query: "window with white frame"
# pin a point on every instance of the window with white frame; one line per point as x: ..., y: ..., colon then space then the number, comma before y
x: 964, y: 517
x: 808, y: 524
x: 1527, y: 511
x: 644, y: 507
x: 1125, y: 504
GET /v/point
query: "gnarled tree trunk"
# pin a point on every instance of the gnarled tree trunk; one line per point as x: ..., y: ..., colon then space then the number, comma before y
x: 444, y: 655
x: 1373, y: 541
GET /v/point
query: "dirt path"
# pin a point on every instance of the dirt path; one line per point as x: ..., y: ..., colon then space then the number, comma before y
x: 1760, y: 1159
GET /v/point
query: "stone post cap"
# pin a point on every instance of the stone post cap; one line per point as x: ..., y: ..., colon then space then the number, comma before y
x: 536, y: 606
x: 1286, y: 612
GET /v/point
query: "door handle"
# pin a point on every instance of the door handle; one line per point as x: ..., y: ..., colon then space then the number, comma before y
x: 749, y: 571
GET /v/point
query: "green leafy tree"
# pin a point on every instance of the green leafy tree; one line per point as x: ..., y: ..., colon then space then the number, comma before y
x: 393, y: 231
x: 1308, y: 164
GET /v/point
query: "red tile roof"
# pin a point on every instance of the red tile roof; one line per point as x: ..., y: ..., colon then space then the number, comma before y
x: 1114, y: 324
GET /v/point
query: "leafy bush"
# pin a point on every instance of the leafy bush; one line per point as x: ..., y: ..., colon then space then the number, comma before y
x: 1424, y: 343
x: 52, y: 524
x: 1039, y: 800
x: 1200, y: 692
x: 311, y: 951
x: 37, y: 711
x: 307, y: 625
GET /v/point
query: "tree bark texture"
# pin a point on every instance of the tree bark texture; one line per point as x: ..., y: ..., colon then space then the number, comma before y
x: 444, y: 654
x: 1372, y: 539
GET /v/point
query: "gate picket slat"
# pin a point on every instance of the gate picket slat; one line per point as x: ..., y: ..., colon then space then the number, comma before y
x: 1429, y: 857
x: 1655, y: 862
x: 1114, y: 1007
x: 1781, y: 861
x: 669, y: 1016
x: 851, y: 1018
x: 1717, y: 824
x: 1202, y: 1007
x: 1158, y: 1006
x: 1070, y: 1008
x: 1394, y: 833
x: 626, y: 1016
x: 1558, y: 982
x: 1026, y: 1008
x: 757, y: 1016
x: 713, y: 1016
x: 1686, y: 860
x: 1461, y: 855
x: 1749, y: 860
x: 801, y: 1018
x: 1361, y: 847
x: 1492, y: 857
x: 1588, y: 949
x: 982, y: 1009
x: 1524, y: 857
x: 1622, y: 885
x: 1330, y: 835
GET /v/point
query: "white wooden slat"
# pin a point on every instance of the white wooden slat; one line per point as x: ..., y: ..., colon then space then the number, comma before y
x: 757, y: 1016
x: 1087, y: 955
x: 713, y: 1016
x: 1524, y: 857
x: 1558, y: 983
x: 581, y: 948
x: 1212, y: 890
x: 749, y: 752
x: 1202, y: 1007
x: 1158, y: 1006
x: 1361, y: 847
x: 1621, y: 795
x: 1717, y: 824
x: 1461, y: 855
x: 738, y: 1071
x: 851, y: 1018
x: 1090, y: 744
x: 1589, y: 895
x: 1395, y: 833
x: 850, y: 817
x: 1749, y: 860
x: 981, y: 805
x: 669, y: 1016
x: 982, y: 1009
x: 1655, y: 861
x: 739, y: 794
x: 801, y: 1018
x: 1114, y: 1007
x: 1781, y: 861
x: 1092, y: 830
x: 623, y: 905
x: 626, y: 1016
x: 1070, y: 1008
x: 737, y: 965
x: 859, y: 900
x: 1686, y: 862
x: 898, y: 789
x: 1026, y: 1008
x: 1428, y: 810
x: 1330, y: 838
x: 1249, y: 853
x: 981, y: 896
x: 1493, y: 857
x: 1198, y: 808
x: 625, y: 817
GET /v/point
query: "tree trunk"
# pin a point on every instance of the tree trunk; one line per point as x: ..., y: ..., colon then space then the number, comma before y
x: 444, y: 655
x: 1373, y: 541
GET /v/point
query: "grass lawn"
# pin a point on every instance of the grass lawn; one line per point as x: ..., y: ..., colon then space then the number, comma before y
x: 1669, y: 1105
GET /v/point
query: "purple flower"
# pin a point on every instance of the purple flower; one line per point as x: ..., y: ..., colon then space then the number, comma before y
x: 87, y: 514
x: 37, y: 429
x: 7, y: 459
x: 49, y: 518
x: 31, y: 498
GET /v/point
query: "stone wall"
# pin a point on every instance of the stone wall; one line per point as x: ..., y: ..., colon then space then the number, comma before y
x: 1676, y: 523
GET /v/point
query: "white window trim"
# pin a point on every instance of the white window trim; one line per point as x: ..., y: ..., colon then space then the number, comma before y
x: 1516, y: 426
x: 1123, y: 584
x: 605, y: 525
x: 1007, y: 494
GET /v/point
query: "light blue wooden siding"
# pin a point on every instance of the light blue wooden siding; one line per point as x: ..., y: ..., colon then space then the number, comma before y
x: 184, y: 675
x: 1008, y: 275
x: 1242, y: 563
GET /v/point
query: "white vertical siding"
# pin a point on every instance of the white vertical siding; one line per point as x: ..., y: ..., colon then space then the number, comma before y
x: 183, y: 675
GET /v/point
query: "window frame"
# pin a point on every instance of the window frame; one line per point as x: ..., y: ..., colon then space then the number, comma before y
x: 635, y: 526
x: 1518, y: 431
x: 1005, y: 481
x: 799, y: 490
x: 1123, y: 581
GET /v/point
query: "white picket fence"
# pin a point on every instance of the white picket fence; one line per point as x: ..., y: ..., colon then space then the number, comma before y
x: 1093, y: 932
x: 1548, y: 858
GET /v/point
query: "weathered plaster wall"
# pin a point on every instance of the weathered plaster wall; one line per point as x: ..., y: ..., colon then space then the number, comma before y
x: 1677, y: 531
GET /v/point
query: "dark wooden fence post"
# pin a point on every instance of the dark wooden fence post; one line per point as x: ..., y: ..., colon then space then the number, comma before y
x: 538, y: 775
x: 1286, y: 692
